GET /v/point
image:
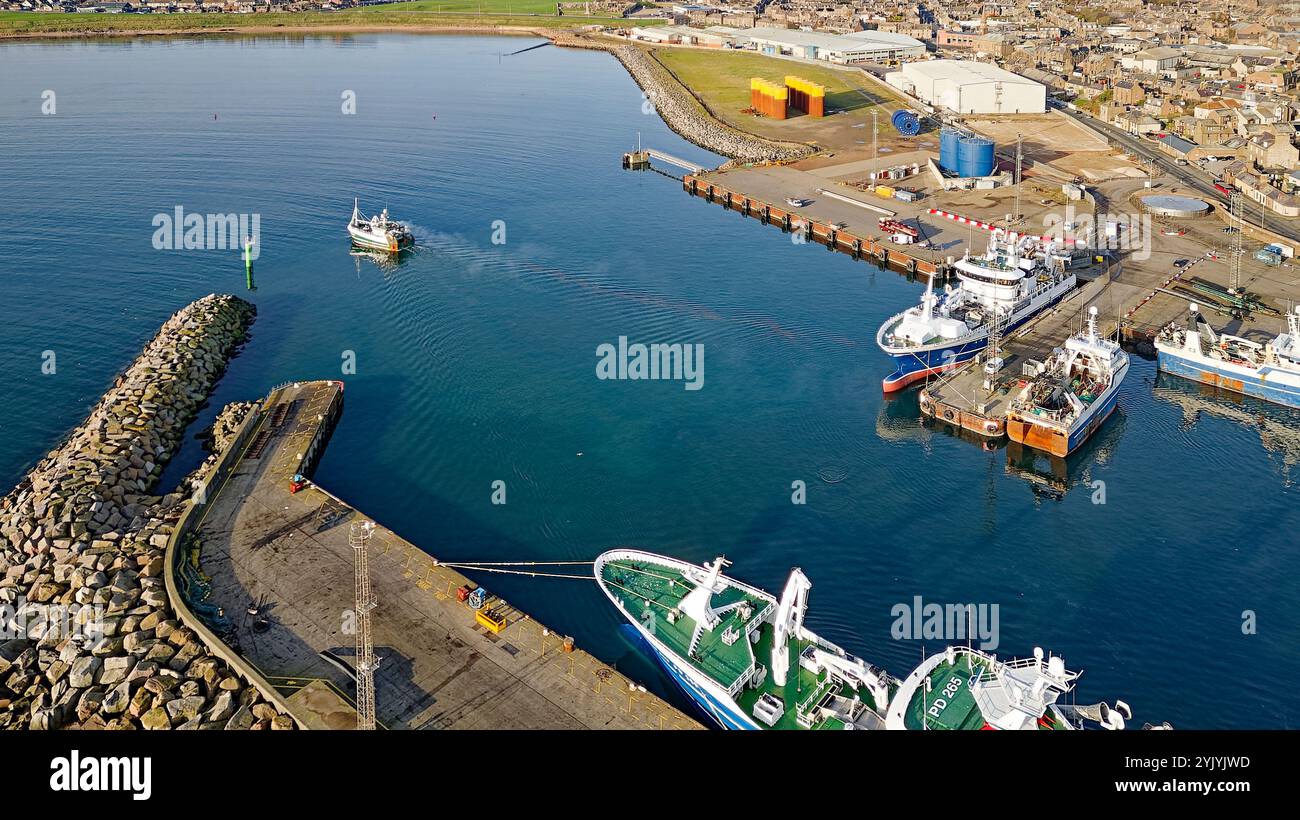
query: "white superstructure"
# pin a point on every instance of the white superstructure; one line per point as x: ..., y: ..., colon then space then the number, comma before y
x: 1005, y: 287
x: 1269, y: 371
x: 1074, y: 394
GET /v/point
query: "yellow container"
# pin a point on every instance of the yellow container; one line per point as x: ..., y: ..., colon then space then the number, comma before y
x: 490, y: 620
x: 885, y: 191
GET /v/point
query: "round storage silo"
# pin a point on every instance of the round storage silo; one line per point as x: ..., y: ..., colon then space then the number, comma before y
x: 975, y: 157
x: 948, y: 139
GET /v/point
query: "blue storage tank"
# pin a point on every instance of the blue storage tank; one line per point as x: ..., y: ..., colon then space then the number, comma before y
x: 948, y: 139
x: 975, y: 157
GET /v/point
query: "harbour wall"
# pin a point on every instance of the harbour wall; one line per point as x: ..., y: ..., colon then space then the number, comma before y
x: 682, y: 110
x: 91, y: 638
x: 180, y: 583
x: 886, y: 255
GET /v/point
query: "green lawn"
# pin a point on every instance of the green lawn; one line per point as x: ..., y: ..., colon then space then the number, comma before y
x: 721, y: 77
x: 507, y: 7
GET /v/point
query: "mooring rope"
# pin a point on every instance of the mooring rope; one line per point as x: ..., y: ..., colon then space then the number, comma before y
x: 510, y: 563
x: 520, y: 572
x: 495, y: 566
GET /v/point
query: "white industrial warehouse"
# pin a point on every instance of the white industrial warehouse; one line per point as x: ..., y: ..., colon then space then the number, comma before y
x: 970, y: 87
x: 857, y: 47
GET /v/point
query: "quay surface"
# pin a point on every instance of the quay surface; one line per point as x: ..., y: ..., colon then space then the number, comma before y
x: 288, y: 557
x: 834, y: 223
x: 1136, y: 292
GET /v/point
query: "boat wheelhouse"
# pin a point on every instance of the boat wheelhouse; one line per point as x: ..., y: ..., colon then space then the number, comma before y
x: 739, y: 653
x: 1269, y: 371
x: 964, y: 688
x: 1004, y: 288
x: 1073, y: 394
x: 378, y: 232
x: 747, y: 660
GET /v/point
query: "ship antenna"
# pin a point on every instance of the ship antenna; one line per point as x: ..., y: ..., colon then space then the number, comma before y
x: 925, y: 706
x: 1092, y: 323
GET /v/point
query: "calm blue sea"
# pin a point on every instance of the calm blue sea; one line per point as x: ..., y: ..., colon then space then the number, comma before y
x: 475, y: 362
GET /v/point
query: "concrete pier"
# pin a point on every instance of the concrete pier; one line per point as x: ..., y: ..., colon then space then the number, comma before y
x: 280, y: 569
x: 1136, y: 290
x: 844, y: 230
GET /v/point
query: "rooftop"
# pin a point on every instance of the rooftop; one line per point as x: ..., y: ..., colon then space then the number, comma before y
x: 859, y: 41
x: 966, y: 71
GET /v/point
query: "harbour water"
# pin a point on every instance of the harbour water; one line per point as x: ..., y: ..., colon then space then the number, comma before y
x: 476, y: 362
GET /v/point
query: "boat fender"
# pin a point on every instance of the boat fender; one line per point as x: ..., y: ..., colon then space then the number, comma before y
x: 947, y: 414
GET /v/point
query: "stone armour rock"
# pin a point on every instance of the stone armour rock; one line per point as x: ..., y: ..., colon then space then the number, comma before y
x: 681, y: 110
x: 82, y: 545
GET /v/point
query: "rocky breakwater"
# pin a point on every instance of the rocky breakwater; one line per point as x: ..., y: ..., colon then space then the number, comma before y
x: 87, y: 635
x: 682, y: 110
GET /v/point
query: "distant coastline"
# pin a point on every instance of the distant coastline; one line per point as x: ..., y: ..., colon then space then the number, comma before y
x: 37, y: 26
x: 215, y: 31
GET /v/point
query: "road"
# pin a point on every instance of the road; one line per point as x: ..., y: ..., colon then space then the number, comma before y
x: 1193, y: 179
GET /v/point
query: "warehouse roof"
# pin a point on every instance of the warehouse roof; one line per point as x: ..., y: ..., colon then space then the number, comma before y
x: 965, y: 71
x: 884, y: 37
x: 833, y: 42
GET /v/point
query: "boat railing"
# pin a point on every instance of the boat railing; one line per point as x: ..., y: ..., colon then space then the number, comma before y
x: 1029, y: 703
x: 804, y: 708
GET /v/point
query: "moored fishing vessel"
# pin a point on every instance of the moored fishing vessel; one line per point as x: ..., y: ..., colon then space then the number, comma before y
x: 378, y: 232
x: 1005, y: 287
x: 747, y: 660
x: 1269, y: 371
x: 1073, y: 394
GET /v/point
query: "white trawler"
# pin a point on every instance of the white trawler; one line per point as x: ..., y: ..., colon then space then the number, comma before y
x: 1074, y: 393
x: 1268, y: 371
x: 378, y: 232
x: 749, y: 662
x: 1007, y: 286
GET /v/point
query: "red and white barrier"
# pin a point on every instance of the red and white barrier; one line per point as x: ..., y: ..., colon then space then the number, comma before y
x: 986, y: 226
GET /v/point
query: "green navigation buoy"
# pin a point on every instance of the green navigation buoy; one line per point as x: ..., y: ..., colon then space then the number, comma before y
x: 248, y: 263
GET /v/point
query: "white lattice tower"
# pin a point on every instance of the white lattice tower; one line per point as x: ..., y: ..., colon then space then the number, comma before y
x: 358, y: 538
x: 1237, y: 251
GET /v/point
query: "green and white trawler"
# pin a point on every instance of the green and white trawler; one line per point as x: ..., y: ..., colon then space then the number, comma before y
x: 749, y: 662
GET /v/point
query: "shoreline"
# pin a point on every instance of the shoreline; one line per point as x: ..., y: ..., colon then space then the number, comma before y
x: 681, y: 109
x: 262, y: 30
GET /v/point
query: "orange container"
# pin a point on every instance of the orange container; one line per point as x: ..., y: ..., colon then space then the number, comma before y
x: 780, y: 101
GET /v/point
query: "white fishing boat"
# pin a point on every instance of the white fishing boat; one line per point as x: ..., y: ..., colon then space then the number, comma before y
x: 1072, y: 395
x: 1007, y: 286
x: 1269, y: 371
x: 378, y: 232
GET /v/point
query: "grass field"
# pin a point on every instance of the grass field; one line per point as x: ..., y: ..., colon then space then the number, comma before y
x: 721, y: 78
x: 421, y: 14
x: 507, y: 7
